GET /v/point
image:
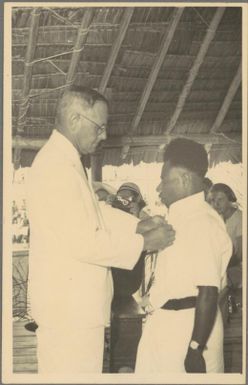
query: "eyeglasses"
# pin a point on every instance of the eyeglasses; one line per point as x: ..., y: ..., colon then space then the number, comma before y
x: 124, y: 201
x: 100, y: 129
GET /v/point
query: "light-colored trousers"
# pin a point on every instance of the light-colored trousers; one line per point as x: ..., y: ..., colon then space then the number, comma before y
x: 70, y: 351
x: 165, y: 340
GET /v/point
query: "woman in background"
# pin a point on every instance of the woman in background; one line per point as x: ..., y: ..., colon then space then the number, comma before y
x: 223, y: 200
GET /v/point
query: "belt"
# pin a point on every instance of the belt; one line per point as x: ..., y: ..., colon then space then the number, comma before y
x: 179, y: 304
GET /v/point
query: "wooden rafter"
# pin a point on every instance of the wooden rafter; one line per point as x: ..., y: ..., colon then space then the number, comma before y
x: 96, y: 160
x: 156, y: 67
x: 228, y: 100
x: 28, y: 66
x: 195, y: 68
x: 27, y: 81
x: 116, y: 48
x: 151, y: 140
x: 81, y: 39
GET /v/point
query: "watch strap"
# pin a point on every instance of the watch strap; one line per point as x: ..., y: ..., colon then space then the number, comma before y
x: 196, y: 346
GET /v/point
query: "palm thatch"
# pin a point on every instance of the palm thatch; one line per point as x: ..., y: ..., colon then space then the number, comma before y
x: 167, y: 71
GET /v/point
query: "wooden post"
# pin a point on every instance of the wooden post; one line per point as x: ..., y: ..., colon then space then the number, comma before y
x: 195, y: 69
x: 27, y: 80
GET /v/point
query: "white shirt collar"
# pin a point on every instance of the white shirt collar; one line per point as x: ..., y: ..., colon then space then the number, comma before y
x: 185, y: 206
x: 65, y: 146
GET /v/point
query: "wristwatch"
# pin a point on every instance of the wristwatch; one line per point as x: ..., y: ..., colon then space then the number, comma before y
x: 196, y: 346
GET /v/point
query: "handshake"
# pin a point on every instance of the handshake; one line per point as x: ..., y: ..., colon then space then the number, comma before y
x: 157, y: 233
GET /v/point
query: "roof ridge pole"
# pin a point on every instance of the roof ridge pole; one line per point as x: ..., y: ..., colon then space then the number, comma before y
x: 227, y: 101
x: 126, y: 18
x: 27, y: 80
x: 195, y: 68
x: 167, y: 39
x: 81, y: 39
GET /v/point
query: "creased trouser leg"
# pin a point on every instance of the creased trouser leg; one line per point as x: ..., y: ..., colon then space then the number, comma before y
x: 70, y: 351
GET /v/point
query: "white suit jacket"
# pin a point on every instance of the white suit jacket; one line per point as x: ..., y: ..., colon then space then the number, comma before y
x: 70, y: 251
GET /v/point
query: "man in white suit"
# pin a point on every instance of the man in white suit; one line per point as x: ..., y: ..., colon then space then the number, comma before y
x: 71, y: 248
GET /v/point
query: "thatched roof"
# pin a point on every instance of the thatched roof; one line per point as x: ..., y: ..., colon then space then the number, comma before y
x: 166, y: 71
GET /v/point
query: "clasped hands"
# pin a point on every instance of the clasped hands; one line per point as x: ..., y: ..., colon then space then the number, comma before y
x: 157, y: 233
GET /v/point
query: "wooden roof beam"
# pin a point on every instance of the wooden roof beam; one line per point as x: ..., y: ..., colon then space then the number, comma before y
x: 115, y: 49
x: 81, y: 39
x: 228, y: 100
x: 167, y: 39
x: 195, y: 68
x: 150, y: 140
x: 96, y: 162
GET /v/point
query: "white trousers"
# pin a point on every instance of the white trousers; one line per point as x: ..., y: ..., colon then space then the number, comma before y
x: 165, y: 339
x: 70, y: 351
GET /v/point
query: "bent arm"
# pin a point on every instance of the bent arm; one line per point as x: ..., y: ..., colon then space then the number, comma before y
x: 205, y: 313
x: 62, y: 213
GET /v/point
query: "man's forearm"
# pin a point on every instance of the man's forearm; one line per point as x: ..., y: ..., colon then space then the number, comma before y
x: 205, y: 313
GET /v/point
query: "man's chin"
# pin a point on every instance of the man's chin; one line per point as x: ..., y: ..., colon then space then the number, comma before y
x: 97, y: 146
x: 165, y: 202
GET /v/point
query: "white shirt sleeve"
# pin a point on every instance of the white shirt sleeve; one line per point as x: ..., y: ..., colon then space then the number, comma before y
x: 210, y: 251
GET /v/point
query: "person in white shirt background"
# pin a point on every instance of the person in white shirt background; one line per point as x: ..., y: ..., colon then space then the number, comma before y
x: 71, y: 247
x: 184, y: 328
x: 224, y: 201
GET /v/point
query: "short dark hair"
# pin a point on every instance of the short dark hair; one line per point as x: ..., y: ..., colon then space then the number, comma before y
x: 222, y: 187
x: 87, y: 95
x: 189, y: 154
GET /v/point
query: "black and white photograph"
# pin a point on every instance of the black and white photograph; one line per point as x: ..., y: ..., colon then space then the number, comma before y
x: 124, y: 193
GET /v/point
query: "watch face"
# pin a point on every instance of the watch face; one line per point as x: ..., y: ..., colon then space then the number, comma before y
x: 194, y: 345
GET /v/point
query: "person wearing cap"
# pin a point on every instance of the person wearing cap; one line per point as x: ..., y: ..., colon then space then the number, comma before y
x: 184, y: 330
x: 71, y: 246
x: 129, y: 199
